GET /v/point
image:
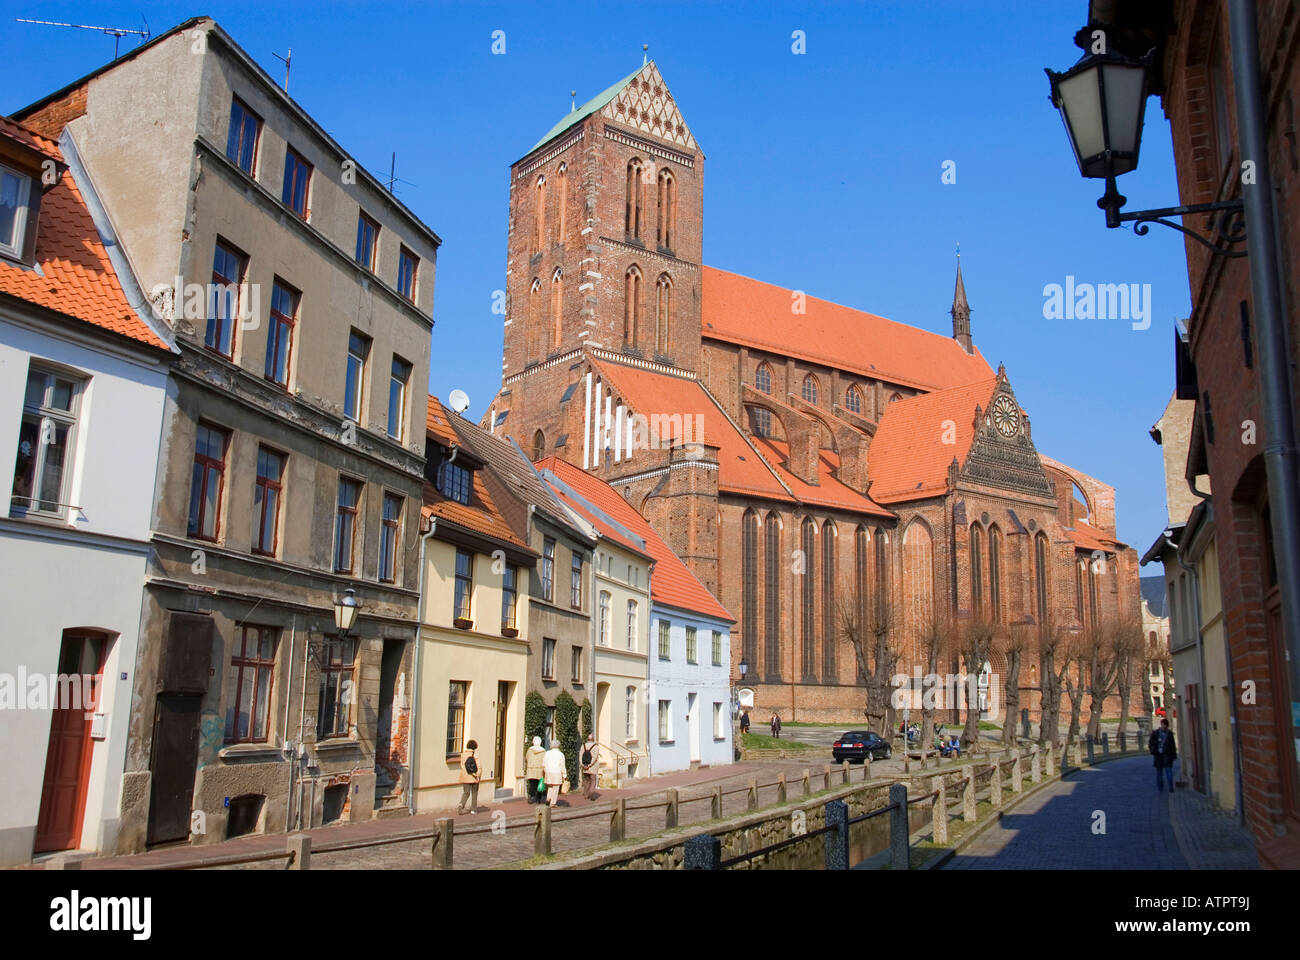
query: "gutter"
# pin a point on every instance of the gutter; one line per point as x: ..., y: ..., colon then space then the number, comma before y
x: 414, y: 736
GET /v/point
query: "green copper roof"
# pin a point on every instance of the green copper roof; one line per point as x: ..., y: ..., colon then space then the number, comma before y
x: 586, y: 110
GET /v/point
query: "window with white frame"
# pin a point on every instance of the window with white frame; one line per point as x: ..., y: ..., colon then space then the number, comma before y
x: 691, y: 652
x: 604, y: 618
x: 15, y: 192
x: 665, y: 721
x: 631, y: 624
x: 717, y: 648
x: 46, y: 441
x: 629, y: 716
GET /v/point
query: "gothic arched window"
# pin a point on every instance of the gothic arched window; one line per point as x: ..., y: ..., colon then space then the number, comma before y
x: 828, y: 600
x: 534, y: 338
x: 810, y: 388
x: 976, y: 570
x: 561, y: 203
x: 995, y: 574
x: 667, y: 209
x: 557, y: 306
x: 749, y: 569
x: 635, y: 198
x: 763, y: 378
x: 808, y: 598
x: 861, y: 557
x: 1040, y: 569
x: 853, y: 400
x: 539, y: 445
x: 539, y: 216
x: 663, y: 313
x: 631, y: 305
x: 760, y: 421
x: 772, y: 598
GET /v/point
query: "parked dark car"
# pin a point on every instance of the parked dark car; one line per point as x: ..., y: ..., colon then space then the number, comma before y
x: 856, y: 745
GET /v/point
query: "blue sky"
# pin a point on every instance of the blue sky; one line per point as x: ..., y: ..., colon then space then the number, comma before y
x: 823, y: 170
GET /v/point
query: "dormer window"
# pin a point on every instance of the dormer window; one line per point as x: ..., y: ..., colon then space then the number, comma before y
x: 15, y: 193
x: 454, y: 481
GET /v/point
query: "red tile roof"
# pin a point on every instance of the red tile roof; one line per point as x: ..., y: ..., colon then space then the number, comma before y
x: 76, y: 277
x: 1089, y: 538
x: 908, y: 459
x: 481, y: 516
x: 30, y: 139
x: 672, y: 583
x: 758, y: 315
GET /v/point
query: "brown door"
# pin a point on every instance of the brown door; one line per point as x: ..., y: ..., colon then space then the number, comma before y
x: 175, y: 756
x: 67, y: 759
x: 1192, y: 756
x: 503, y: 703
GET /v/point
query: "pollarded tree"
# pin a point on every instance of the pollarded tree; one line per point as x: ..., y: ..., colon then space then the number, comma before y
x: 1054, y: 645
x: 976, y: 638
x: 937, y: 643
x: 1016, y: 645
x: 867, y: 627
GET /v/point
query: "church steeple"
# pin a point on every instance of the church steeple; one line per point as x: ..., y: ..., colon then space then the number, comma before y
x: 961, y: 312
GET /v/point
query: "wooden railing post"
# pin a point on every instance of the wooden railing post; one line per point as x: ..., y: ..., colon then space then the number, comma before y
x: 542, y: 833
x: 995, y: 782
x: 939, y: 810
x: 670, y: 813
x: 1035, y: 773
x: 1049, y: 763
x: 717, y: 803
x: 300, y: 847
x: 618, y: 820
x: 443, y: 843
x: 807, y: 782
x: 968, y: 795
x: 753, y: 793
x: 780, y: 788
x: 826, y: 776
x: 1017, y: 774
x: 845, y: 768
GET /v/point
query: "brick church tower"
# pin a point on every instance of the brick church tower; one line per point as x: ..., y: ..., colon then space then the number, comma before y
x: 604, y: 242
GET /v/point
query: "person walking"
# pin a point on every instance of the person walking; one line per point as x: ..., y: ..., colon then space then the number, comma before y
x: 553, y: 770
x: 533, y: 768
x: 590, y: 766
x: 776, y: 725
x: 470, y: 775
x: 744, y: 721
x: 1165, y: 752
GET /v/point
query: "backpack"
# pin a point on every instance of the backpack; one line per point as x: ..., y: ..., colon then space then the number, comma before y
x: 471, y: 765
x: 586, y: 757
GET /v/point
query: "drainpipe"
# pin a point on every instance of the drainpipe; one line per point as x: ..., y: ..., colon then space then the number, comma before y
x: 1280, y: 454
x: 413, y: 739
x: 293, y: 754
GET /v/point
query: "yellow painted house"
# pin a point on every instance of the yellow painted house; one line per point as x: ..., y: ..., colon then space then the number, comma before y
x: 472, y: 658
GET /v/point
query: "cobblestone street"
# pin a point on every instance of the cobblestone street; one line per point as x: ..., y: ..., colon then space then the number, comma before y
x: 1144, y: 829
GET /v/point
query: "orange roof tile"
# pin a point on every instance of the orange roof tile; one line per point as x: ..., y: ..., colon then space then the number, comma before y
x: 756, y: 314
x: 828, y: 492
x: 29, y: 138
x: 672, y: 583
x: 1089, y: 538
x: 76, y: 277
x: 740, y: 468
x: 908, y: 459
x: 481, y: 515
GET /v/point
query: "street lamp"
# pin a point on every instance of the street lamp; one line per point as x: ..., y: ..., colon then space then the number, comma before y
x: 345, y: 611
x: 1102, y: 101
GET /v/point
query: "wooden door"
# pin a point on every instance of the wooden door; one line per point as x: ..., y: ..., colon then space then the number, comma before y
x: 499, y: 753
x: 68, y: 756
x: 175, y: 756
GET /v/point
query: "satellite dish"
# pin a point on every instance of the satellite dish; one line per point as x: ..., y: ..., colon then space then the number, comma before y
x: 459, y: 400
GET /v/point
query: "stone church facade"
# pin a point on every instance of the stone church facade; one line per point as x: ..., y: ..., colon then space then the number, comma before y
x: 802, y: 457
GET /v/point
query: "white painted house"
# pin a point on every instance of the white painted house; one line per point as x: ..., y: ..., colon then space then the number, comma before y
x: 83, y: 377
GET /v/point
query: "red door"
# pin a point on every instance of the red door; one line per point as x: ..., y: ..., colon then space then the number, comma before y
x: 67, y: 761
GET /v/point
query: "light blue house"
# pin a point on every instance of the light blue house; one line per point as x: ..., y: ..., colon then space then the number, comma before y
x: 690, y: 694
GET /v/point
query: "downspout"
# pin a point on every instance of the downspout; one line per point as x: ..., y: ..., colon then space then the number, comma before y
x: 293, y: 754
x: 1280, y: 454
x: 414, y: 738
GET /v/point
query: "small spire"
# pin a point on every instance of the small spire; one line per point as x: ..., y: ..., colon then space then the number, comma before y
x: 573, y: 95
x: 961, y: 311
x: 645, y: 54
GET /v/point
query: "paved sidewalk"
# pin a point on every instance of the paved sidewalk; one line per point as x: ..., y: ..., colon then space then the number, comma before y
x: 487, y: 849
x: 1144, y: 829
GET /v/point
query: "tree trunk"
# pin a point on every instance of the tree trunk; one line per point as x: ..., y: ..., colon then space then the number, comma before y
x: 1049, y: 713
x: 1012, y: 698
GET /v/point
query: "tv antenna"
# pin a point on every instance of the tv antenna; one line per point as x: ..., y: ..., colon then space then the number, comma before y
x: 117, y: 33
x: 285, y: 61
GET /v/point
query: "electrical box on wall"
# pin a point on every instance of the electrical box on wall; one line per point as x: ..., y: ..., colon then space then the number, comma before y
x: 98, y: 726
